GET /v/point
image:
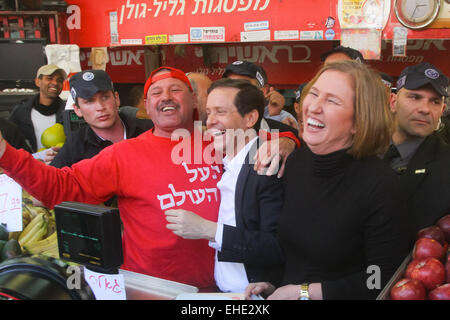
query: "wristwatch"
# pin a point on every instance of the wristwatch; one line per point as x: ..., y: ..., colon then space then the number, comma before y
x: 304, y: 291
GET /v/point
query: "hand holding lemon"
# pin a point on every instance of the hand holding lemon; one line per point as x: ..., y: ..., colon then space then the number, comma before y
x: 52, y: 139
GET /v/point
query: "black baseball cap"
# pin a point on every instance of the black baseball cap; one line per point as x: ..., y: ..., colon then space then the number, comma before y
x: 298, y: 92
x: 86, y: 83
x: 246, y: 68
x: 350, y: 52
x: 419, y: 75
x: 386, y: 79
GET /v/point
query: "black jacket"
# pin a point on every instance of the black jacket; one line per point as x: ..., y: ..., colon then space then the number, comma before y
x: 253, y: 242
x: 21, y: 116
x: 444, y: 132
x: 426, y: 183
x: 13, y: 135
x: 84, y: 143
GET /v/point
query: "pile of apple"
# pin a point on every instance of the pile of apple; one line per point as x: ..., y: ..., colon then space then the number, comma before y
x: 428, y: 274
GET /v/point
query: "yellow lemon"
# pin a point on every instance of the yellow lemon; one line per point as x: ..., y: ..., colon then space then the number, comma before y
x: 53, y: 135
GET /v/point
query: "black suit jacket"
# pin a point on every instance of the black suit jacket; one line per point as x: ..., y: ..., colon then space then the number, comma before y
x: 253, y: 242
x: 426, y: 183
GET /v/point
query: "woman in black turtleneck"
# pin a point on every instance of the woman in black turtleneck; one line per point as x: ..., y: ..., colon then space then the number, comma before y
x: 341, y: 212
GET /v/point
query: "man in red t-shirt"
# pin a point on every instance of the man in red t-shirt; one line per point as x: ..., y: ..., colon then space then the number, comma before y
x: 143, y: 175
x: 147, y: 177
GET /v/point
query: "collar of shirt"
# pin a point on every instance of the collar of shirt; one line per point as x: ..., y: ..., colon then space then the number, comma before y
x: 124, y: 132
x: 234, y: 165
x: 408, y: 148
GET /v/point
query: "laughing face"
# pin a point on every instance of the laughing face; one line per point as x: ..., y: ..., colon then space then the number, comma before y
x: 328, y: 113
x: 170, y: 104
x: 227, y: 126
x: 50, y: 86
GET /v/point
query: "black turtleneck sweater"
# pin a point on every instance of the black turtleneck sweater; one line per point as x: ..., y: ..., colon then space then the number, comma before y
x: 340, y: 216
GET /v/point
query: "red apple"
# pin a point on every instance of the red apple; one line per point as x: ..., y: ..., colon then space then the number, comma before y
x: 408, y: 289
x: 430, y: 272
x: 426, y: 247
x: 410, y: 268
x: 433, y: 232
x: 440, y: 293
x: 444, y: 224
x: 447, y: 269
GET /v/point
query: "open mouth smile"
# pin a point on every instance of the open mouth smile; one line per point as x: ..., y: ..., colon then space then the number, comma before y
x: 315, y: 124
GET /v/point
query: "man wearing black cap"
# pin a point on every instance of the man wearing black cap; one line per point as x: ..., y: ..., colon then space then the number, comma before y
x: 418, y: 154
x: 45, y: 109
x: 98, y: 104
x: 242, y: 69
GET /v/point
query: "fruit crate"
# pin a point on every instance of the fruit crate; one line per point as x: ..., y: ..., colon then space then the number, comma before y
x: 385, y: 294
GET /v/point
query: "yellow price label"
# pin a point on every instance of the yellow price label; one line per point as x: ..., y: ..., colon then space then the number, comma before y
x: 156, y: 39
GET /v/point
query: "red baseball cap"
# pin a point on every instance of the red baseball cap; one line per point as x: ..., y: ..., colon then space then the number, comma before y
x: 173, y: 73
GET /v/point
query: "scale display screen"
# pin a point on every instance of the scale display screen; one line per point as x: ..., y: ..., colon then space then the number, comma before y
x: 89, y: 235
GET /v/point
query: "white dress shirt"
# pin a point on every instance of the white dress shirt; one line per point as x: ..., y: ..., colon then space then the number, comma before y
x: 229, y: 276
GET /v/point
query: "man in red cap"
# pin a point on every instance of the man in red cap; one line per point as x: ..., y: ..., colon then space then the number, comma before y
x: 142, y: 173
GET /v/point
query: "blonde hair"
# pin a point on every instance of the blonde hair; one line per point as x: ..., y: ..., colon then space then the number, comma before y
x: 374, y: 122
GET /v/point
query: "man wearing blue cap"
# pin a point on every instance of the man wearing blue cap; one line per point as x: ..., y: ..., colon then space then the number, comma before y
x: 98, y: 104
x: 417, y: 153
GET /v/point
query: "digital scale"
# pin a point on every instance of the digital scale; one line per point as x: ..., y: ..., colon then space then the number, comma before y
x: 89, y: 235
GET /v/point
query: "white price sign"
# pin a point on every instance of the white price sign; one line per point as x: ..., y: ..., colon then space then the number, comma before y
x: 10, y: 203
x: 106, y: 286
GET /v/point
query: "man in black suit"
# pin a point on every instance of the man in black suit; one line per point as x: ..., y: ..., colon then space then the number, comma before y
x: 418, y: 154
x: 244, y: 237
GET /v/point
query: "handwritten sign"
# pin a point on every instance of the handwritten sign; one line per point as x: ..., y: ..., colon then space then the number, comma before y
x: 106, y: 286
x: 10, y: 203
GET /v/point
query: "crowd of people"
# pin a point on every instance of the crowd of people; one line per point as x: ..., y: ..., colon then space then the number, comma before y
x: 302, y: 214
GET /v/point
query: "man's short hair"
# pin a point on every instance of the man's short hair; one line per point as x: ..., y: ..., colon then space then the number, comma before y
x: 248, y: 97
x: 350, y: 52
